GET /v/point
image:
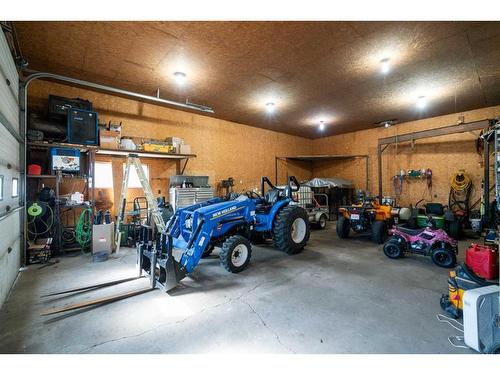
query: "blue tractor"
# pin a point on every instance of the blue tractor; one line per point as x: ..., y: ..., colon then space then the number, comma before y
x: 230, y: 223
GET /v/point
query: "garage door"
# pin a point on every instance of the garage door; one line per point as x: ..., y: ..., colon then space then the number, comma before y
x: 10, y: 180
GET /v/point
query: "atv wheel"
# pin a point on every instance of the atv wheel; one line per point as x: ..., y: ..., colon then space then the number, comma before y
x: 444, y: 258
x: 393, y: 249
x: 235, y: 254
x: 321, y: 224
x: 454, y: 229
x: 379, y: 231
x: 208, y: 251
x: 343, y: 227
x: 291, y: 229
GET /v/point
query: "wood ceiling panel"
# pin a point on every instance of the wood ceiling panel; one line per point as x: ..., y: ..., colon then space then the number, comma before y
x: 309, y: 69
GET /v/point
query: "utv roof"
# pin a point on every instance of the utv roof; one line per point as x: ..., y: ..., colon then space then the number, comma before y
x: 330, y: 182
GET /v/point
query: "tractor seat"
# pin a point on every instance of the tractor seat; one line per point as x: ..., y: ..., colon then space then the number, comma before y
x: 272, y: 196
x: 411, y: 232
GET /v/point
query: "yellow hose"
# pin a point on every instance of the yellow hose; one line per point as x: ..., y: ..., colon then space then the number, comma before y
x: 460, y: 181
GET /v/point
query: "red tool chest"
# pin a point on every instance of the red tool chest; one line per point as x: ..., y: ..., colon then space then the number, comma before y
x: 483, y: 260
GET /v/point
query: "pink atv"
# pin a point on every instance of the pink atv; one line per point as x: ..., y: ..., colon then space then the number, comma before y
x: 429, y: 241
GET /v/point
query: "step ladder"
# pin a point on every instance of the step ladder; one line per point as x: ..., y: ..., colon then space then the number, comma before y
x: 134, y: 161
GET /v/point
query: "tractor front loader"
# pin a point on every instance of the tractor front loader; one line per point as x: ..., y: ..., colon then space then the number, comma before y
x: 228, y: 223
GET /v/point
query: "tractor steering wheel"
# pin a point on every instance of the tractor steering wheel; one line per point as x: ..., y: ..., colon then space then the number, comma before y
x: 252, y: 194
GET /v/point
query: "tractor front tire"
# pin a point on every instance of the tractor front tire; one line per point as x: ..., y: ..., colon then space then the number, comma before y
x: 235, y: 254
x: 343, y: 227
x: 379, y: 232
x: 291, y: 229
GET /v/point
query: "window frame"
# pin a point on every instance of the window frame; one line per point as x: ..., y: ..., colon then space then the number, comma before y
x: 16, y: 195
x: 106, y: 163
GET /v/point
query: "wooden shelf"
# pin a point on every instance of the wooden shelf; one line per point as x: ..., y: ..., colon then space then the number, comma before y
x: 37, y: 144
x: 70, y: 176
x: 104, y: 151
x: 144, y: 154
x: 41, y: 176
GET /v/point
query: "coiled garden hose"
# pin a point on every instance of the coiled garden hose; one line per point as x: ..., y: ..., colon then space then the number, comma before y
x: 35, y: 215
x: 83, y: 230
x: 460, y: 182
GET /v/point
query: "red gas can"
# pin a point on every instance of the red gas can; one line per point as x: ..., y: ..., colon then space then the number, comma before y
x: 483, y: 260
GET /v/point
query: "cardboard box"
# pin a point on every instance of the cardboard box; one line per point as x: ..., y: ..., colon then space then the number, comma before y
x: 103, y: 238
x: 109, y: 139
x: 154, y: 147
x: 174, y: 141
x: 184, y: 149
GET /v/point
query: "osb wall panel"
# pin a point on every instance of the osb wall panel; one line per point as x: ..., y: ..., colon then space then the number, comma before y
x: 445, y: 155
x: 224, y: 149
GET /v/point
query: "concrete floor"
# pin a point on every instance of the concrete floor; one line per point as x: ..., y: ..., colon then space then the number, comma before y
x: 338, y: 296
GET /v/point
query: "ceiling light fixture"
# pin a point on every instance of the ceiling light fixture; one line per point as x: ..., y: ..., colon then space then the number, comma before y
x: 387, y: 123
x: 385, y: 66
x: 270, y: 107
x: 421, y: 102
x: 321, y: 126
x: 180, y: 78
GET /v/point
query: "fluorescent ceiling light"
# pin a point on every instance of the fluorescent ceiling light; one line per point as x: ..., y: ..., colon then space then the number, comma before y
x: 180, y: 78
x: 421, y: 102
x: 385, y: 66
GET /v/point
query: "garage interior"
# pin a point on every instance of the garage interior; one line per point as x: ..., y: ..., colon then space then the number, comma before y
x: 133, y: 206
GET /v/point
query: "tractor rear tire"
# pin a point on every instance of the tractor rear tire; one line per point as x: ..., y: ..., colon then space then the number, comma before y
x: 291, y: 229
x: 321, y: 224
x: 343, y: 227
x: 379, y: 232
x: 235, y: 254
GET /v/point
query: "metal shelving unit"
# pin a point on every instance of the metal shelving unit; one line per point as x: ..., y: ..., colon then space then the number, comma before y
x: 88, y: 176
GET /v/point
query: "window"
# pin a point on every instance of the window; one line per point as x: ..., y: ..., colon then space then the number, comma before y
x: 1, y: 188
x: 103, y: 175
x: 133, y: 178
x: 15, y: 187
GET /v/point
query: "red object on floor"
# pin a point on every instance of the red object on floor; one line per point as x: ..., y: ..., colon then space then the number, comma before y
x: 483, y: 260
x: 34, y: 169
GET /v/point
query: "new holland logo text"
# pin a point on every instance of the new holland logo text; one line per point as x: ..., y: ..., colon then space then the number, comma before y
x: 224, y: 212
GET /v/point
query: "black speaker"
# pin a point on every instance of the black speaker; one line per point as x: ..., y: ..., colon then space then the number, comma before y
x: 83, y: 127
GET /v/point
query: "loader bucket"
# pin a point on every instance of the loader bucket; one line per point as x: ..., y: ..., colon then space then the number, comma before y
x: 157, y: 260
x: 170, y: 273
